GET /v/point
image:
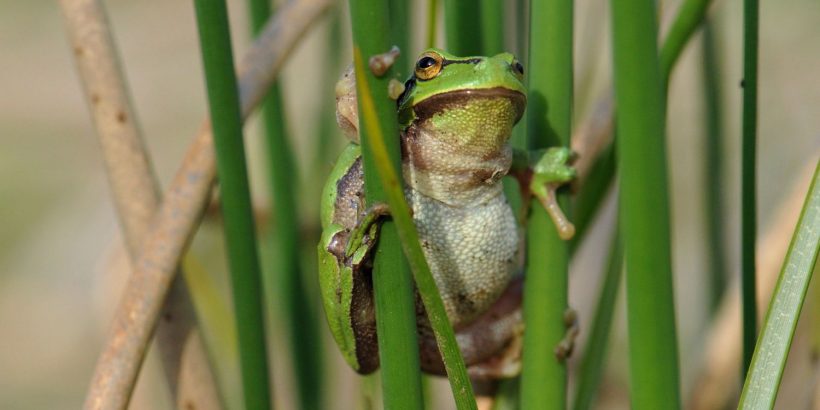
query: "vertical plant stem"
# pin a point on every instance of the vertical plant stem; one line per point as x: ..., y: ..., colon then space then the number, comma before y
x: 432, y: 22
x: 714, y: 160
x: 769, y: 360
x: 328, y: 130
x: 463, y: 33
x: 549, y: 122
x: 748, y: 229
x: 492, y: 27
x: 240, y: 237
x: 392, y: 282
x: 690, y: 14
x: 300, y: 316
x: 594, y: 358
x: 400, y: 35
x: 644, y: 206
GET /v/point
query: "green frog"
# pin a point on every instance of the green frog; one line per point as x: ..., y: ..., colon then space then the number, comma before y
x: 456, y: 116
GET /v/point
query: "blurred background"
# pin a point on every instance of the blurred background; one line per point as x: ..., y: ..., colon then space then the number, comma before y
x: 62, y: 270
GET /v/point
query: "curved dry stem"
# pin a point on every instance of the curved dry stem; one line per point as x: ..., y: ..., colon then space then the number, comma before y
x: 136, y: 193
x: 717, y: 379
x: 180, y: 213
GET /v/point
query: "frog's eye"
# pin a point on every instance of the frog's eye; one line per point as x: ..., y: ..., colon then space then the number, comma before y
x: 518, y: 68
x: 428, y: 65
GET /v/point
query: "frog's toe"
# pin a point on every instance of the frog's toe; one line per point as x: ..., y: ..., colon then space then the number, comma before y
x: 553, y: 167
x: 565, y: 347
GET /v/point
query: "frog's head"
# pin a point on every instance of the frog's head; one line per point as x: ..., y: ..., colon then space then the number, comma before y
x: 468, y: 99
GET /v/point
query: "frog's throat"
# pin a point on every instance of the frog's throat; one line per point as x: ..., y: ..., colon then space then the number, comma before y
x: 449, y: 173
x: 438, y: 103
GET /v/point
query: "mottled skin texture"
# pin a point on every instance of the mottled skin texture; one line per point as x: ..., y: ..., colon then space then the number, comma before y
x: 454, y: 130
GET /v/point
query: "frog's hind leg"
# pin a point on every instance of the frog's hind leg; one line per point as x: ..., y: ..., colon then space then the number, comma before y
x: 491, y: 345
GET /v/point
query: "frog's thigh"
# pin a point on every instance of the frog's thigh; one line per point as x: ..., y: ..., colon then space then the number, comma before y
x: 490, y: 344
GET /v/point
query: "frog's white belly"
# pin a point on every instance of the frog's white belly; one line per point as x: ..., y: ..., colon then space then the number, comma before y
x: 471, y: 250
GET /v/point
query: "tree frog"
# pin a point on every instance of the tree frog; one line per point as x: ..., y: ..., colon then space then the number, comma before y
x: 456, y: 116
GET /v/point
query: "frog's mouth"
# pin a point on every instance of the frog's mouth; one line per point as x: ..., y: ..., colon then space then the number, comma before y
x: 439, y: 103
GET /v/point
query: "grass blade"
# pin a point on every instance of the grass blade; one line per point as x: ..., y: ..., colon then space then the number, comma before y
x: 544, y: 377
x: 763, y: 380
x: 644, y: 206
x: 392, y: 283
x: 240, y: 237
x: 748, y: 169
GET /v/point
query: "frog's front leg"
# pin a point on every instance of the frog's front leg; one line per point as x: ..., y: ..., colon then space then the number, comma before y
x: 363, y: 236
x: 542, y: 180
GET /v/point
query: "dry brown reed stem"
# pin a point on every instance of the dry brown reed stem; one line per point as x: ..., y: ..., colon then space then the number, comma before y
x: 180, y: 213
x: 136, y: 194
x: 718, y: 379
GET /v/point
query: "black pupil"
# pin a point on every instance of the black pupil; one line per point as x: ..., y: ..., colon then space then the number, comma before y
x: 519, y: 67
x: 426, y: 62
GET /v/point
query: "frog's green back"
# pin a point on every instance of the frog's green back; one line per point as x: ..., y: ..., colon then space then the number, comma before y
x: 350, y: 154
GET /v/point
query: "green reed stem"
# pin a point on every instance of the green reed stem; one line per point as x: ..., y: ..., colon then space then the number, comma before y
x: 713, y: 164
x: 690, y: 15
x: 400, y: 33
x: 300, y: 316
x: 385, y: 163
x: 461, y: 18
x: 589, y: 198
x: 240, y: 237
x: 594, y: 357
x: 392, y: 283
x: 748, y: 168
x: 772, y: 350
x: 549, y: 122
x: 644, y: 206
x: 432, y: 22
x: 492, y: 27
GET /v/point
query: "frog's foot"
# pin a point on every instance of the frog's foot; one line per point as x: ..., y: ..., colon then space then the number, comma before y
x: 551, y: 172
x: 505, y: 363
x: 564, y: 348
x: 363, y: 236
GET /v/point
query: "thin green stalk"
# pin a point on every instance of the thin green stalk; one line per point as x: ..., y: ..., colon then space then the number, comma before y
x: 240, y: 237
x: 301, y: 318
x: 492, y: 26
x: 432, y: 22
x: 328, y: 130
x: 644, y: 206
x: 549, y: 122
x: 461, y: 28
x: 594, y: 357
x: 591, y: 195
x: 748, y: 169
x: 772, y: 350
x: 392, y: 283
x: 388, y: 174
x: 714, y: 160
x: 690, y: 15
x: 400, y: 31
